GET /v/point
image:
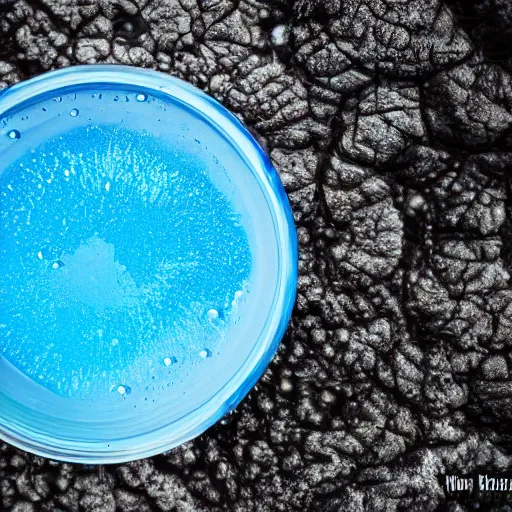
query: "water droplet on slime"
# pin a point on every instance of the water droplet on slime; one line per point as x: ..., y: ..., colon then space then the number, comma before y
x: 124, y: 390
x: 170, y: 360
x: 205, y: 353
x: 212, y: 314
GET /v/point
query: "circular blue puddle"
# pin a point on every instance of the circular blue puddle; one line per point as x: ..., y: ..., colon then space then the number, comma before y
x: 148, y: 263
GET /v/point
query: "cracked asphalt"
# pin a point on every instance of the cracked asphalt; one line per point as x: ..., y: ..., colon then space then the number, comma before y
x: 390, y: 124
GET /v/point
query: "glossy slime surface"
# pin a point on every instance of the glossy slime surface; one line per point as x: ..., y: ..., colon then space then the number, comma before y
x: 148, y: 263
x: 120, y: 262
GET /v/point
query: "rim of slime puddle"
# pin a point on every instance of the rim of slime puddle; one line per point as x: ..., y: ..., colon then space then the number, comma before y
x: 51, y: 444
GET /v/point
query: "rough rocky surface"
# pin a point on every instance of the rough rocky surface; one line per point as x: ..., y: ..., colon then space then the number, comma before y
x: 390, y: 123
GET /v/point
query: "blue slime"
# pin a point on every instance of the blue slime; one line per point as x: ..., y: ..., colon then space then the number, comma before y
x: 148, y: 263
x: 117, y: 255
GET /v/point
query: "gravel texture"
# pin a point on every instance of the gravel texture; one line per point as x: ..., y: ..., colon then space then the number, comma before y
x: 390, y: 123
